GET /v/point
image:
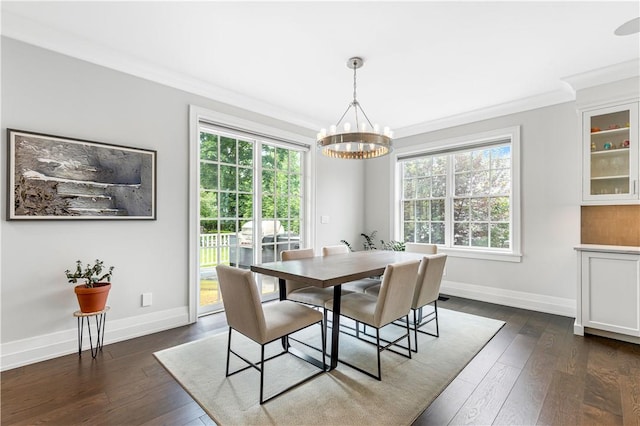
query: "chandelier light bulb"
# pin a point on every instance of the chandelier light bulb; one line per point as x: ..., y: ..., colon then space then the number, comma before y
x: 347, y: 127
x: 376, y: 128
x: 332, y: 129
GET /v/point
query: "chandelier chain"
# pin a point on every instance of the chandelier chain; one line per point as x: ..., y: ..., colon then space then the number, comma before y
x: 355, y: 100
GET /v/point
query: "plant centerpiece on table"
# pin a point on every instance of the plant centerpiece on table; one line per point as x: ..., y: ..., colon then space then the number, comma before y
x: 92, y: 295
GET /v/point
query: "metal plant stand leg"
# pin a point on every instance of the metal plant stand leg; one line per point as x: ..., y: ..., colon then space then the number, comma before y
x: 101, y: 319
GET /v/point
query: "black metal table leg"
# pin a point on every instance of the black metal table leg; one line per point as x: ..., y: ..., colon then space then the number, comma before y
x: 282, y: 287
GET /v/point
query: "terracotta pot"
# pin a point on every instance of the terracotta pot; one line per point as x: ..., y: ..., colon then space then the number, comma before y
x: 92, y: 299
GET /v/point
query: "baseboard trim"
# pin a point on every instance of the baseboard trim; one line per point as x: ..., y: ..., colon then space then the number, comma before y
x: 516, y: 299
x: 40, y: 348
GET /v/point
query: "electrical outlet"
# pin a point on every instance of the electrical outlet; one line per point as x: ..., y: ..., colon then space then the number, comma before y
x: 146, y: 299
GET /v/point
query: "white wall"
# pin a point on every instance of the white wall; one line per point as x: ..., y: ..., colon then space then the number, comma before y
x: 342, y: 200
x: 46, y: 92
x: 545, y: 279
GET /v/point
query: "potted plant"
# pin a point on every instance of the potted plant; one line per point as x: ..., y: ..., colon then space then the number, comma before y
x: 92, y: 295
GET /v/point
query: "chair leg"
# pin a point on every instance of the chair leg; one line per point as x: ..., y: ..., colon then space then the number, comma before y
x: 415, y: 329
x: 417, y: 323
x: 435, y: 308
x: 323, y: 333
x: 378, y: 351
x: 228, y: 353
x: 261, y: 372
x: 406, y: 317
x: 325, y: 329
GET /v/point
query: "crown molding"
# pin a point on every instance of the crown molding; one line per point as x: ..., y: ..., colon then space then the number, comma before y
x: 609, y: 74
x: 520, y: 105
x: 30, y: 32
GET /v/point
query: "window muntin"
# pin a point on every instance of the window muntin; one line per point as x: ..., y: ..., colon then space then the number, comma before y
x: 423, y: 201
x: 481, y: 197
x: 232, y: 199
x: 460, y: 195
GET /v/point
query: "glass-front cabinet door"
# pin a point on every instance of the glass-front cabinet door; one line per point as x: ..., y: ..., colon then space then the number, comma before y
x: 610, y: 144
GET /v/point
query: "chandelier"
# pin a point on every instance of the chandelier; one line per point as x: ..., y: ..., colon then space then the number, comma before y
x: 365, y: 141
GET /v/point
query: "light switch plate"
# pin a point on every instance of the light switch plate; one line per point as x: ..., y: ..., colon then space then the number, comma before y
x: 146, y: 299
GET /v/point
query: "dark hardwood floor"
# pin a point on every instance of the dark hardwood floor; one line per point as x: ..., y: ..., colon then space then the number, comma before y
x: 534, y: 371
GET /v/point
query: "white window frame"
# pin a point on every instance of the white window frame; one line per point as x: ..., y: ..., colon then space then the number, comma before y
x: 199, y: 114
x: 476, y: 141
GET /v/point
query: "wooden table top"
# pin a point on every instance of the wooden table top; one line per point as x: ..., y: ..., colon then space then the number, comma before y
x: 328, y: 271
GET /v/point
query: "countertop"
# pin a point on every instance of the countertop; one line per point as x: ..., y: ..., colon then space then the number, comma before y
x: 608, y: 249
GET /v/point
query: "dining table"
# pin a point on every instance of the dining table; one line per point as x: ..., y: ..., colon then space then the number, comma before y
x: 333, y: 271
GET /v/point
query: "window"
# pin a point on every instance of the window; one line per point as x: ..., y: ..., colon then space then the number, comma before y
x: 462, y: 195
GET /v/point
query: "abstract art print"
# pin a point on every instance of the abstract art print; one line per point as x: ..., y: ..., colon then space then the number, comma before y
x: 54, y: 177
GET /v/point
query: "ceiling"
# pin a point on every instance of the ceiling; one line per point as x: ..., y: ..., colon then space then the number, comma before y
x: 425, y: 62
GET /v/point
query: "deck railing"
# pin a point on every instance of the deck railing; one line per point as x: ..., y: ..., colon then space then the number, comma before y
x: 214, y: 249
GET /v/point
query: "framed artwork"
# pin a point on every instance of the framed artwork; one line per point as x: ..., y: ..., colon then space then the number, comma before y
x: 54, y: 177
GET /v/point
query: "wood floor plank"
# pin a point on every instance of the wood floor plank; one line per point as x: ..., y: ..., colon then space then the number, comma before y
x: 76, y: 412
x: 482, y: 407
x: 602, y: 390
x: 536, y: 324
x: 446, y: 405
x: 553, y: 339
x: 574, y: 356
x: 206, y: 420
x: 158, y: 401
x: 179, y: 416
x: 523, y: 405
x: 476, y: 370
x: 563, y: 401
x: 595, y: 416
x: 518, y: 352
x: 630, y: 397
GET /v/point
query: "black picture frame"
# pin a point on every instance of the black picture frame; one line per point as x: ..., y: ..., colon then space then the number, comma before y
x: 60, y: 178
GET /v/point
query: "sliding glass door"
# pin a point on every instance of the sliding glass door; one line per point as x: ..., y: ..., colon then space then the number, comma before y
x: 251, y: 198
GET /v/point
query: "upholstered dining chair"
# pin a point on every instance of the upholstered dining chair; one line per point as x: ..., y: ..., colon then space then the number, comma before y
x: 358, y: 286
x: 393, y: 303
x: 421, y: 248
x: 301, y: 292
x: 305, y: 293
x: 262, y: 324
x: 427, y: 291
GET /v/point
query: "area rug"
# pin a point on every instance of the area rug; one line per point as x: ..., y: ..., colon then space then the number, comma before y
x: 343, y: 396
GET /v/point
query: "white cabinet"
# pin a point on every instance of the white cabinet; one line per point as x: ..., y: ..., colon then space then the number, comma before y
x: 611, y: 157
x: 608, y: 289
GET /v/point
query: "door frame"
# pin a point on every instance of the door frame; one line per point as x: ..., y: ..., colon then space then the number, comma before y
x: 198, y: 114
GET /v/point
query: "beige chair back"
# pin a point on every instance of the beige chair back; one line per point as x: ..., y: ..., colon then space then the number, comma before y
x: 396, y: 292
x: 242, y: 302
x: 429, y: 279
x: 291, y: 255
x: 337, y: 249
x: 421, y: 248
